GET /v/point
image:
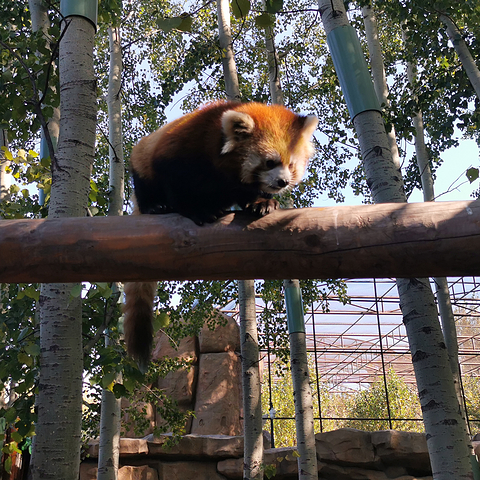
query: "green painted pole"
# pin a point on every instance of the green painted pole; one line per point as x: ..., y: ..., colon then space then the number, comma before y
x: 80, y: 8
x: 294, y: 304
x: 352, y: 70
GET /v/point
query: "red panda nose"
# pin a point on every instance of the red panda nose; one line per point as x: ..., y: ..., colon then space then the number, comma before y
x: 282, y: 183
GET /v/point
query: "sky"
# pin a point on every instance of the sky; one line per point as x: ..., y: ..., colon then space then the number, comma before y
x: 451, y: 184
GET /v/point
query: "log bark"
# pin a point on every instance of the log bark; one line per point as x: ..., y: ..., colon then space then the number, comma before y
x: 400, y: 240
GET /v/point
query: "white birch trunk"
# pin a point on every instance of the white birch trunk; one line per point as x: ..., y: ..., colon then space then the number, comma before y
x: 56, y: 453
x: 110, y: 419
x: 463, y: 53
x: 443, y: 296
x: 110, y: 427
x: 273, y: 67
x: 378, y: 73
x: 40, y: 21
x: 252, y: 405
x: 446, y: 434
x: 117, y: 167
x: 228, y: 56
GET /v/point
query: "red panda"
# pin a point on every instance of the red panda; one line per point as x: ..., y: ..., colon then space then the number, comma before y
x: 200, y: 165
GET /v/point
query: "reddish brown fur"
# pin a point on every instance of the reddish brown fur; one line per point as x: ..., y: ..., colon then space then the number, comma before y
x: 203, y: 163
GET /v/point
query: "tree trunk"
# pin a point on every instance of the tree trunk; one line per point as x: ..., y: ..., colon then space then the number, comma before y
x: 443, y: 296
x: 40, y: 21
x: 446, y: 435
x: 252, y: 405
x: 273, y: 67
x: 463, y: 53
x: 117, y: 167
x: 109, y: 443
x: 56, y: 454
x: 362, y: 241
x: 302, y: 393
x: 378, y: 73
x: 228, y: 57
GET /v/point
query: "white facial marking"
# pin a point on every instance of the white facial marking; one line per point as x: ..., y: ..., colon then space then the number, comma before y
x: 276, y: 179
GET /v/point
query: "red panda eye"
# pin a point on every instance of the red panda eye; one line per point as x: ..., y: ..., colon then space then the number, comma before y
x: 271, y: 164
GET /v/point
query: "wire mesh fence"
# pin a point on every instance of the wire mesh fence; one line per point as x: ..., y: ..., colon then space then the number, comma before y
x: 361, y: 369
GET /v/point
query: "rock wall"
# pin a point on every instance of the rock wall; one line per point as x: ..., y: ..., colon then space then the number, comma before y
x: 212, y: 387
x: 345, y: 454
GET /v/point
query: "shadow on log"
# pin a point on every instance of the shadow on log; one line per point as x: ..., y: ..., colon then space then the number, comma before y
x: 385, y: 240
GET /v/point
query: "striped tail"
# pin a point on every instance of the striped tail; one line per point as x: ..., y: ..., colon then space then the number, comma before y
x: 138, y: 321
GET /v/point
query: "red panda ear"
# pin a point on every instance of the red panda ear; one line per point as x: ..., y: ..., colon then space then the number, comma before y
x: 310, y: 123
x: 236, y: 126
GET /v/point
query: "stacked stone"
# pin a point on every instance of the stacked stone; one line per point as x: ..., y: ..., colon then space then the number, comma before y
x: 345, y: 454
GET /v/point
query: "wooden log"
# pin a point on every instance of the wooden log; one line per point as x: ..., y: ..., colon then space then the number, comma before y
x: 385, y: 240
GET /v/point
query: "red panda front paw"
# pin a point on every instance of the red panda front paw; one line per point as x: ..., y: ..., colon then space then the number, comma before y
x: 263, y: 206
x: 202, y: 218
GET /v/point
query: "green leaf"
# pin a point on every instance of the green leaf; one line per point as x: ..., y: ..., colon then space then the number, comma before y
x: 161, y: 320
x: 240, y: 8
x: 8, y: 464
x: 45, y: 162
x: 25, y: 359
x: 119, y: 390
x: 273, y: 6
x: 107, y: 380
x: 265, y: 20
x: 168, y: 24
x: 8, y: 154
x: 32, y: 349
x: 25, y: 331
x: 186, y: 24
x: 31, y: 292
x: 472, y: 174
x: 129, y: 384
x: 76, y: 290
x: 11, y: 415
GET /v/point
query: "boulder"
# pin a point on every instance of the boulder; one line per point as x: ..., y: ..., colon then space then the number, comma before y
x: 128, y: 447
x: 283, y: 460
x: 88, y: 471
x: 179, y: 385
x: 407, y: 449
x: 204, y: 446
x: 409, y: 477
x: 187, y: 348
x: 346, y: 446
x: 223, y: 338
x: 218, y: 405
x: 143, y: 472
x: 188, y: 471
x: 329, y: 471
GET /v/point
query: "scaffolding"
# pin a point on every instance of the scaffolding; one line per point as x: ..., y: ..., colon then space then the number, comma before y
x: 356, y: 344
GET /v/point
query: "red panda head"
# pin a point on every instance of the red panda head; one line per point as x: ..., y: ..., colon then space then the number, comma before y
x: 272, y: 143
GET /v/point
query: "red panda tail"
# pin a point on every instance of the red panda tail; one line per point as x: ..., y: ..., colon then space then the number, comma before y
x: 138, y: 321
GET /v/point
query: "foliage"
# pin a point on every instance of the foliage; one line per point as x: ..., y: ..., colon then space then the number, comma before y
x: 370, y: 406
x: 365, y: 409
x: 471, y: 390
x: 19, y: 352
